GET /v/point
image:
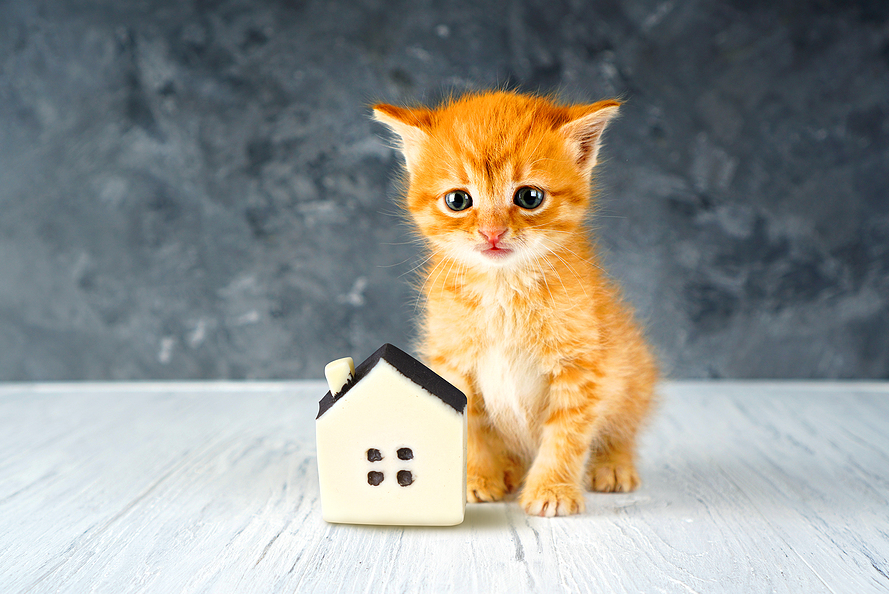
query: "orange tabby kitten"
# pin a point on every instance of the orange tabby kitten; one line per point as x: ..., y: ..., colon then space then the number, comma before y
x: 518, y: 313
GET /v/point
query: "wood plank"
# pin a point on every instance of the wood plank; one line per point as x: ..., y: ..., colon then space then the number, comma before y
x: 196, y: 487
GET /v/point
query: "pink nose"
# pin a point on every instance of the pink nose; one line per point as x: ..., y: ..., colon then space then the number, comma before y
x: 493, y: 234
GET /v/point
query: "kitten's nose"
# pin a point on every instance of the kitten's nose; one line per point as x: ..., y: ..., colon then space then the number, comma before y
x: 492, y: 234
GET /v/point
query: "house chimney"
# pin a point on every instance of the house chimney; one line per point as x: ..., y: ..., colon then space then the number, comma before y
x: 338, y: 373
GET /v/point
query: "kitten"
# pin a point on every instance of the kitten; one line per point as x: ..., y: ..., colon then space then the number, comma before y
x: 518, y: 313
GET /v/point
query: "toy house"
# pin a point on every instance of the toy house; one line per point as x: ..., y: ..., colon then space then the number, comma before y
x: 391, y: 442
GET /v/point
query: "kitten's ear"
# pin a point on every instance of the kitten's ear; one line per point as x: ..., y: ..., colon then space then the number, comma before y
x: 409, y: 124
x: 584, y: 130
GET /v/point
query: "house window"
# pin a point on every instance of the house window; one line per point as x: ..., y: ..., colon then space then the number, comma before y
x: 404, y: 477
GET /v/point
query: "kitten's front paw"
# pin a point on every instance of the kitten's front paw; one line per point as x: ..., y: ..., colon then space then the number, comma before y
x: 481, y: 489
x: 552, y: 500
x: 614, y: 478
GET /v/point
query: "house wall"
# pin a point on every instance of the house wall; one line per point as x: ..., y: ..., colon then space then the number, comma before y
x: 386, y: 411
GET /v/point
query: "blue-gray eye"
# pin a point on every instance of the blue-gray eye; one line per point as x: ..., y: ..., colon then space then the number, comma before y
x: 528, y: 197
x: 458, y: 200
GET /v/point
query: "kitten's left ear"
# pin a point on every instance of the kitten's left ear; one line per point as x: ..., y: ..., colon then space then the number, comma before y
x: 409, y: 124
x: 584, y: 130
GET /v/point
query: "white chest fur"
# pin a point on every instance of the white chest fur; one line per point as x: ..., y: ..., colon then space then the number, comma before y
x: 513, y: 390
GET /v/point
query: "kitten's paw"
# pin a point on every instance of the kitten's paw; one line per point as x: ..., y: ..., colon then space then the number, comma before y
x: 552, y: 500
x: 481, y: 489
x: 614, y: 478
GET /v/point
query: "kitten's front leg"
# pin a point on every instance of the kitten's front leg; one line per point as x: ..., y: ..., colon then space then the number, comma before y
x: 491, y: 471
x: 553, y: 485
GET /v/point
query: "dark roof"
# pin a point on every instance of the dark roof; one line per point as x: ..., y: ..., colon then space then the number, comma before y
x: 408, y: 367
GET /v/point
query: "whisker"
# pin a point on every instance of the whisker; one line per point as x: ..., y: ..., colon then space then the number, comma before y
x: 435, y: 280
x: 550, y: 230
x: 545, y: 283
x: 417, y: 267
x: 558, y: 276
x: 460, y: 273
x: 574, y: 272
x: 582, y: 259
x: 395, y: 214
x: 394, y: 265
x: 554, y: 247
x: 445, y: 282
x: 421, y: 291
x: 409, y: 242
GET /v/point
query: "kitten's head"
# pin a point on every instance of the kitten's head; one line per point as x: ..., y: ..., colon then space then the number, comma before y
x: 499, y: 179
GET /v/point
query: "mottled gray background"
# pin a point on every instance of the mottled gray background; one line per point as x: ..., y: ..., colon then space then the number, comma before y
x: 195, y: 189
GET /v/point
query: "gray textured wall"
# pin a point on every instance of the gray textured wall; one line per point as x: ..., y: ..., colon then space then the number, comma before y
x: 195, y: 190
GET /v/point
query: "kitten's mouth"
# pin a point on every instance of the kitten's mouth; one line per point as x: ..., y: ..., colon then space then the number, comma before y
x: 496, y: 252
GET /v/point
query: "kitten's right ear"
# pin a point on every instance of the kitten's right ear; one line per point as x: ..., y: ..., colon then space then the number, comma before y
x: 409, y: 125
x: 585, y: 128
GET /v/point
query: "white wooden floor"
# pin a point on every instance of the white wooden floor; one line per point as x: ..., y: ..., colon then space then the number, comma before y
x: 749, y: 487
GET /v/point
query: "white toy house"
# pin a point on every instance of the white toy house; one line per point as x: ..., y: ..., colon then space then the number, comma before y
x: 391, y: 441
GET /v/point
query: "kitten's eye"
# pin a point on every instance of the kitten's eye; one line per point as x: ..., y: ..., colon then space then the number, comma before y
x: 528, y: 197
x: 458, y: 200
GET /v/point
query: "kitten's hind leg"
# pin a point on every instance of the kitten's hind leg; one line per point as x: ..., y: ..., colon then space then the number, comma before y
x: 612, y: 467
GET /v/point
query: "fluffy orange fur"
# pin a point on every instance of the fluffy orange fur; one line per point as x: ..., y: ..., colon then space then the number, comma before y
x: 518, y: 313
